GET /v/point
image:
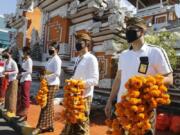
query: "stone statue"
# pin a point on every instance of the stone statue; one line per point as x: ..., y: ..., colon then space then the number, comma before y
x: 101, y: 5
x: 34, y: 37
x: 35, y: 46
x: 113, y: 4
x: 116, y: 20
x: 73, y: 7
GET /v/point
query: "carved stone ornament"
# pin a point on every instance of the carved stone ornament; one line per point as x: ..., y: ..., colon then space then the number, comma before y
x: 116, y: 20
x: 73, y: 7
x: 111, y: 47
x: 34, y: 37
x: 113, y: 4
x: 96, y: 27
x: 101, y: 5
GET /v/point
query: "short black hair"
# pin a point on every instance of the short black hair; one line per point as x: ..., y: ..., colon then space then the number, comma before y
x: 27, y: 50
x: 8, y: 50
x: 55, y: 45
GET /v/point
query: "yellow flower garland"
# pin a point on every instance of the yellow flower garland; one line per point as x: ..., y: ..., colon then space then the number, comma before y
x: 74, y: 102
x: 134, y: 111
x: 41, y: 97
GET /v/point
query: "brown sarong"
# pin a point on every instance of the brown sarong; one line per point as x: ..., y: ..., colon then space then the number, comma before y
x: 47, y: 113
x: 11, y: 96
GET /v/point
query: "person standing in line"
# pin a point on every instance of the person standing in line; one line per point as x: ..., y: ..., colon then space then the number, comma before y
x: 11, y: 71
x: 3, y: 82
x: 86, y: 69
x: 25, y: 85
x: 52, y: 75
x: 140, y: 59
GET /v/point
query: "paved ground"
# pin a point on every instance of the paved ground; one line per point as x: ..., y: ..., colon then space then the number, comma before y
x: 5, y: 129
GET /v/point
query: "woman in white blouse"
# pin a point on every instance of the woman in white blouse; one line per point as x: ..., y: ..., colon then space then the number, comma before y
x: 53, y: 70
x: 25, y: 85
x: 11, y: 71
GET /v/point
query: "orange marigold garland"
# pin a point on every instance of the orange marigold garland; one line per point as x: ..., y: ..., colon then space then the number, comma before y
x: 41, y: 97
x: 136, y: 107
x: 74, y: 102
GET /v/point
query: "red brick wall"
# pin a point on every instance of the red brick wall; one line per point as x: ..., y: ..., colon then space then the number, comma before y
x: 19, y: 40
x: 57, y: 30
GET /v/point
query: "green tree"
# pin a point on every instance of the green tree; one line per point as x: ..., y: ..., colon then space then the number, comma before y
x: 166, y: 40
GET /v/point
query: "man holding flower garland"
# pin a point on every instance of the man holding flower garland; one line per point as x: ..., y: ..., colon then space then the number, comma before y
x: 86, y: 69
x: 140, y: 59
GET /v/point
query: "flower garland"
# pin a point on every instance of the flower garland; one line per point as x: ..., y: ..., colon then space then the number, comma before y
x: 135, y: 110
x: 74, y: 102
x: 41, y: 97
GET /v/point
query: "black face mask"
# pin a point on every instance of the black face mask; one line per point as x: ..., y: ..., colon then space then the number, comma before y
x: 5, y: 56
x: 132, y: 35
x: 51, y: 52
x: 78, y: 46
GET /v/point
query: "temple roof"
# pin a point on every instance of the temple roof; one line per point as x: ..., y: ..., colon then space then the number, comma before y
x: 146, y: 3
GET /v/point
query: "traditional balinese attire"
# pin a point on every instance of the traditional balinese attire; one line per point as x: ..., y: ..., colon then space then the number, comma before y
x: 86, y: 68
x: 25, y: 85
x: 11, y: 94
x: 53, y: 67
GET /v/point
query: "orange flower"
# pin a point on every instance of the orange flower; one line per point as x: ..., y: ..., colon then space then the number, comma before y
x: 135, y: 101
x: 42, y: 93
x: 141, y: 116
x: 134, y: 93
x: 134, y: 111
x: 74, y: 102
x: 135, y: 82
x: 155, y: 93
x: 153, y: 103
x: 163, y: 88
x: 150, y: 81
x: 134, y: 108
x: 141, y: 108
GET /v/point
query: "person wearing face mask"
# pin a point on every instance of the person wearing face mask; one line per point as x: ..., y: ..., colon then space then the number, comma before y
x: 86, y: 68
x: 140, y: 59
x: 52, y: 75
x: 25, y: 85
x: 11, y: 71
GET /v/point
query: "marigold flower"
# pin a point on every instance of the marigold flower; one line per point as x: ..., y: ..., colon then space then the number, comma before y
x: 134, y: 93
x: 155, y: 93
x: 135, y: 109
x: 135, y: 101
x: 74, y: 102
x: 163, y: 88
x: 141, y: 115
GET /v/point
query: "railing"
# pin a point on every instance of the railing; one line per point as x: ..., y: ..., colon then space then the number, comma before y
x: 159, y: 25
x: 173, y: 24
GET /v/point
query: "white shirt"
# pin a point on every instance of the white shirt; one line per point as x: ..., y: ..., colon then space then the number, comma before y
x: 12, y: 69
x: 2, y: 64
x: 129, y: 62
x: 27, y: 67
x: 54, y: 66
x: 88, y: 71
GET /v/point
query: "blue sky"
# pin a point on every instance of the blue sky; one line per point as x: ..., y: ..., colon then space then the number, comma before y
x: 7, y: 6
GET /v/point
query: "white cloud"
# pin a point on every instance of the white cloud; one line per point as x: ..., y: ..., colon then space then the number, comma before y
x: 2, y: 16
